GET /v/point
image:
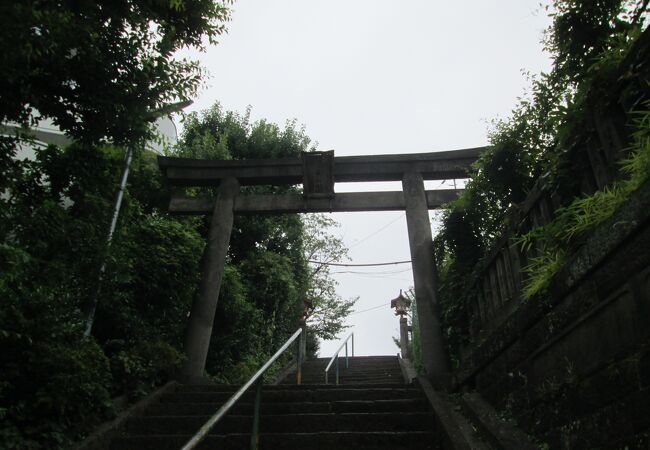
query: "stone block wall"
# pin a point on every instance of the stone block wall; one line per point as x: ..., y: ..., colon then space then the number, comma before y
x: 572, y: 365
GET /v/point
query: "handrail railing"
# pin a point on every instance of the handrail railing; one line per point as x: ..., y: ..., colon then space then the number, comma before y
x: 336, y: 358
x: 257, y: 378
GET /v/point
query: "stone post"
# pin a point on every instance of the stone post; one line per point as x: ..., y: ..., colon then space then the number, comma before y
x: 404, y: 338
x: 199, y: 327
x: 434, y: 354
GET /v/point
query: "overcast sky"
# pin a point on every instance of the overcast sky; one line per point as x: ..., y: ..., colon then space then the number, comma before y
x: 375, y: 77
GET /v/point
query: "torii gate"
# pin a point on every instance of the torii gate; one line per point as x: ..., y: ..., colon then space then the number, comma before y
x: 318, y: 171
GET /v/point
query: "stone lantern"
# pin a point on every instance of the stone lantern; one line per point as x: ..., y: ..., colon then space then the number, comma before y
x: 402, y: 305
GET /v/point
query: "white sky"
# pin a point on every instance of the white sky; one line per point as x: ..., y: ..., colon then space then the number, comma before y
x: 372, y: 77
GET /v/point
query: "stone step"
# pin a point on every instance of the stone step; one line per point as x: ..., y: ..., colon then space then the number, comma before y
x: 345, y: 382
x: 414, y: 440
x: 342, y: 406
x: 353, y: 362
x: 193, y: 388
x: 371, y: 359
x: 290, y: 394
x: 286, y: 423
x: 352, y: 367
x: 387, y: 378
x: 355, y: 370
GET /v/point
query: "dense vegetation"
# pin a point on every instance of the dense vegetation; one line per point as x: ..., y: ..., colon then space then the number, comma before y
x: 53, y: 383
x: 588, y: 41
x: 98, y: 70
x: 268, y: 267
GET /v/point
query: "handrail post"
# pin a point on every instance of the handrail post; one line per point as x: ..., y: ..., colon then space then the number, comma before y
x: 255, y: 435
x: 256, y: 379
x: 337, y: 369
x: 299, y: 360
x: 335, y: 358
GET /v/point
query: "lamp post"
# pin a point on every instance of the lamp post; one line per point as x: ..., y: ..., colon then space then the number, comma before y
x: 402, y: 305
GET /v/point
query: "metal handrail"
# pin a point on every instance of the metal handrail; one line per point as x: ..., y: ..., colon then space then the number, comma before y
x: 336, y: 358
x: 212, y: 421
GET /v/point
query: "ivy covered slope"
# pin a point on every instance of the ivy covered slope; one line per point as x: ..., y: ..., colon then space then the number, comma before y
x: 599, y: 66
x: 54, y: 385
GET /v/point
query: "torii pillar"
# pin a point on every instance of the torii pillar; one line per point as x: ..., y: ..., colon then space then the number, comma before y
x: 434, y: 354
x: 199, y: 327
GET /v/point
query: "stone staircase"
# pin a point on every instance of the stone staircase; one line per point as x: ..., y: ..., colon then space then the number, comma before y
x: 371, y: 409
x: 360, y: 370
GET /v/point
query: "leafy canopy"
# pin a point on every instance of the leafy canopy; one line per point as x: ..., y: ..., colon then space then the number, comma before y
x: 98, y: 67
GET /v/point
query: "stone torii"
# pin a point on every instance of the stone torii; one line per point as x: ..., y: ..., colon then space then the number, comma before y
x: 317, y: 172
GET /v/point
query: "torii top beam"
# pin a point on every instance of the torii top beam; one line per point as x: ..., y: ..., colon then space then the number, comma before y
x: 317, y: 171
x: 433, y: 166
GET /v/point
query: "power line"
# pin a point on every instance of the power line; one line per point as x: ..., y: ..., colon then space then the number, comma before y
x: 385, y: 272
x: 379, y: 277
x: 369, y: 309
x: 378, y: 231
x: 359, y: 265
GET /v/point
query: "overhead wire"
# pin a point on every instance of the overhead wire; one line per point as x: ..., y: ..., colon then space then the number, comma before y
x: 358, y: 265
x: 379, y: 277
x: 389, y: 272
x: 369, y: 309
x: 377, y: 231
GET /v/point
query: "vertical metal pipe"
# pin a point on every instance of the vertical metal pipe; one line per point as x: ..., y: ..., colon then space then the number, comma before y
x: 255, y: 435
x: 352, y: 344
x: 92, y: 306
x: 346, y: 355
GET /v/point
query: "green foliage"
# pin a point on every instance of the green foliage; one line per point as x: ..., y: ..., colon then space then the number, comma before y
x: 98, y: 68
x: 541, y: 270
x: 583, y: 31
x: 572, y: 223
x: 416, y: 342
x: 328, y: 310
x: 267, y: 276
x: 537, y: 145
x: 54, y: 386
x: 141, y: 368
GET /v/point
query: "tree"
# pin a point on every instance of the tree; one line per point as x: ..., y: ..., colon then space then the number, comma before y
x: 98, y: 68
x: 262, y: 293
x: 265, y: 250
x: 54, y: 387
x: 328, y: 310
